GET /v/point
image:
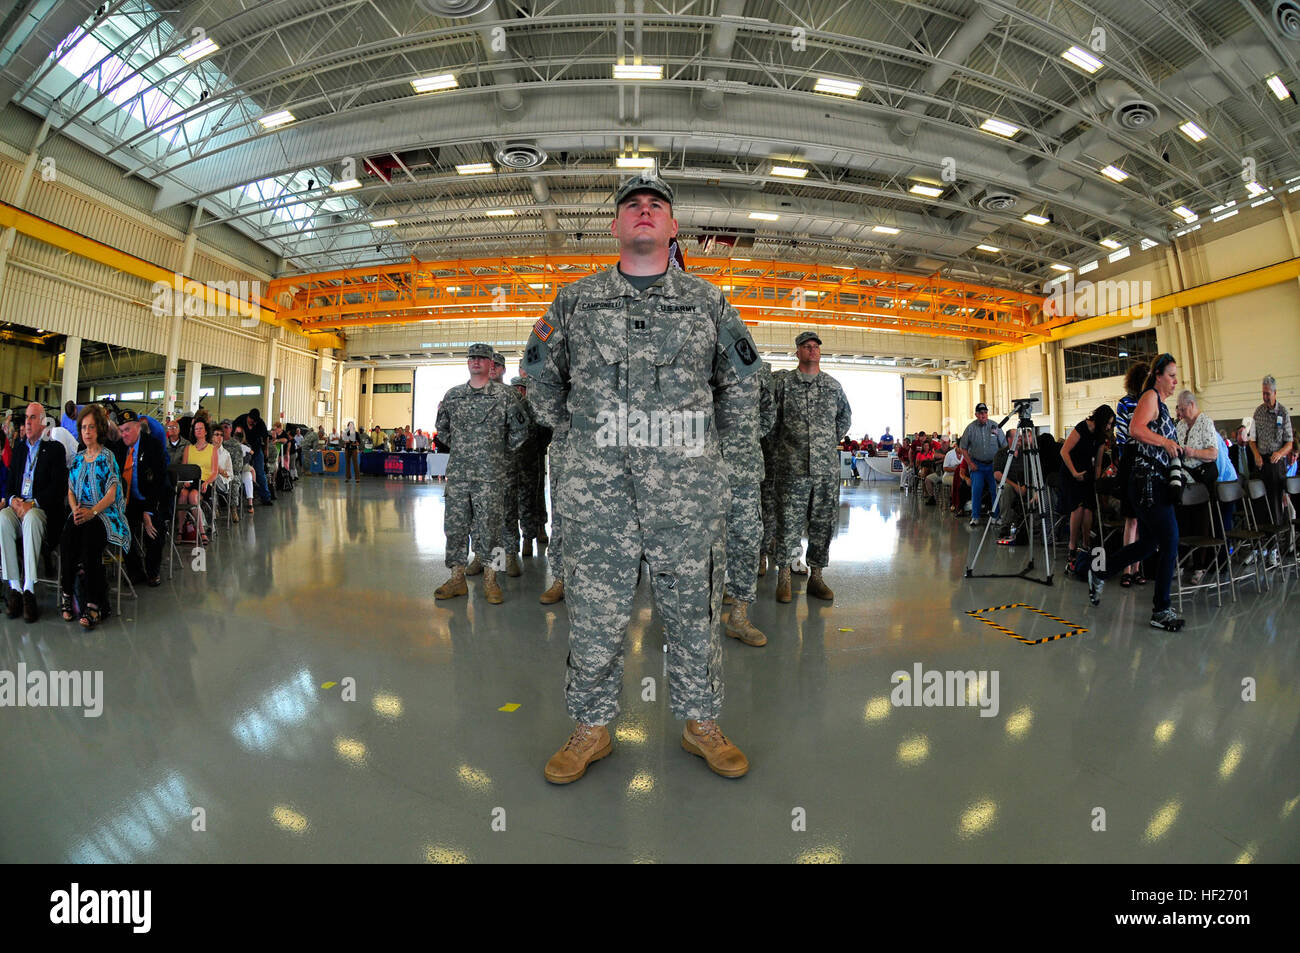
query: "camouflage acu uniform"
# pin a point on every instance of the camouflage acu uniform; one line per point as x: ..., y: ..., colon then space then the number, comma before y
x: 743, y: 456
x: 767, y: 489
x: 555, y: 548
x: 812, y: 415
x: 480, y: 428
x: 515, y: 486
x: 608, y: 357
x: 528, y: 465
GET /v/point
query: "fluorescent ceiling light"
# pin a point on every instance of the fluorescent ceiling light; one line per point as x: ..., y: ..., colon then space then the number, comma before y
x: 500, y: 211
x: 199, y: 50
x: 435, y: 83
x: 1226, y: 205
x: 789, y: 171
x: 1147, y: 243
x: 384, y: 223
x: 839, y: 87
x: 929, y: 191
x: 1090, y: 266
x: 742, y: 259
x: 764, y: 216
x: 474, y: 168
x: 1279, y: 88
x: 1114, y: 173
x: 988, y: 248
x: 999, y: 128
x: 537, y: 284
x: 452, y: 288
x: 1119, y: 255
x: 1060, y: 267
x: 1255, y: 189
x: 1082, y: 59
x: 1185, y: 213
x: 277, y: 119
x: 1110, y: 243
x: 885, y: 229
x: 1192, y: 131
x: 345, y: 185
x: 629, y: 71
x: 635, y: 162
x: 1033, y: 219
x: 1264, y: 201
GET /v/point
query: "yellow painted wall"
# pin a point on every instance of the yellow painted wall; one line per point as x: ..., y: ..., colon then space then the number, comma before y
x: 924, y: 415
x: 393, y: 410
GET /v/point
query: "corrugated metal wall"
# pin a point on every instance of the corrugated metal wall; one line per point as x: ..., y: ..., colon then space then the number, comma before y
x: 297, y: 375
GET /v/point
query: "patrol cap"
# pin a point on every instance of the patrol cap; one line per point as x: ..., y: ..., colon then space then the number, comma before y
x: 480, y: 350
x: 981, y: 408
x: 644, y: 182
x: 519, y: 382
x: 498, y: 358
x: 807, y: 336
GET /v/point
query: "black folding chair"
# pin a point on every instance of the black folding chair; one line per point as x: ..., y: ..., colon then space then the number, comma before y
x: 1194, y: 495
x: 182, y: 474
x: 1248, y: 537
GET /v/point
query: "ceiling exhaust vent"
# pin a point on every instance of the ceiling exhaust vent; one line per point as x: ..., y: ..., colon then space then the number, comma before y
x: 455, y: 8
x: 1286, y: 18
x: 1135, y: 115
x: 520, y: 155
x: 999, y: 202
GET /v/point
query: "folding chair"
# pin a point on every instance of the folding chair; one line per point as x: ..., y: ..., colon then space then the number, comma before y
x: 1292, y: 559
x: 181, y: 473
x: 1249, y: 538
x: 1269, y: 525
x: 1196, y: 494
x: 117, y: 555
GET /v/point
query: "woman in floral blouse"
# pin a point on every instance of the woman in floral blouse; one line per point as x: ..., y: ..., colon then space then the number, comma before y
x: 96, y: 518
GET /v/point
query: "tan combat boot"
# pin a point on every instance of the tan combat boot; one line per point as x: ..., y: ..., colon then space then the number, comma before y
x: 762, y: 564
x: 554, y: 594
x: 739, y: 626
x: 783, y: 584
x: 728, y: 599
x: 542, y: 538
x: 528, y: 548
x: 588, y: 743
x: 817, y: 587
x: 705, y: 738
x: 512, y: 566
x: 475, y: 566
x: 453, y: 587
x: 492, y: 588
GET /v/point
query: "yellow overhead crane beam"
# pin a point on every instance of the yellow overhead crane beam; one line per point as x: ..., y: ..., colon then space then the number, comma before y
x: 802, y: 293
x: 1274, y: 274
x: 63, y: 238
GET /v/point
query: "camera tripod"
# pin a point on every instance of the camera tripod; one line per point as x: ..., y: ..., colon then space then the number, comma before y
x: 1036, y: 503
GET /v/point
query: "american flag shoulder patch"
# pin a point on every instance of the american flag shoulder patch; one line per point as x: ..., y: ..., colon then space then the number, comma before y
x: 542, y: 329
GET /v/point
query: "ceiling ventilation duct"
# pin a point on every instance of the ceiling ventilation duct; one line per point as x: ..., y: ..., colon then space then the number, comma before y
x: 520, y: 155
x: 1286, y: 18
x: 1135, y: 115
x: 455, y: 8
x: 999, y: 202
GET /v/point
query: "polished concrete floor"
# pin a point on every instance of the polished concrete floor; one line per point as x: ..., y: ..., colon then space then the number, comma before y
x: 224, y: 708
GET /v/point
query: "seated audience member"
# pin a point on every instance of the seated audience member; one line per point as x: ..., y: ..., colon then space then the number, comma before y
x: 225, y: 468
x: 146, y: 495
x: 96, y: 519
x: 961, y: 484
x: 1082, y: 460
x: 247, y: 474
x: 940, y: 480
x: 38, y: 485
x: 176, y: 444
x: 1013, y: 498
x: 238, y: 460
x: 6, y: 450
x: 204, y: 456
x: 1207, y: 461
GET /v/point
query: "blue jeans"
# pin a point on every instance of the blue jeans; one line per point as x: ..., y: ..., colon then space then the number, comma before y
x: 259, y: 472
x: 981, y: 482
x: 1157, y: 529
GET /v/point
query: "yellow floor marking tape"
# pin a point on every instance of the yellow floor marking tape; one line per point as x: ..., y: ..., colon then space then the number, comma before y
x: 1075, y: 629
x: 511, y: 706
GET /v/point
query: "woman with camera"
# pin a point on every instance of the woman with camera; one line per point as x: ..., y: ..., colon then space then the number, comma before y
x: 1153, y: 436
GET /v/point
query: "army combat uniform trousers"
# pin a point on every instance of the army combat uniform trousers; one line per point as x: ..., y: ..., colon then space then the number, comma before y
x: 768, y: 500
x: 555, y: 548
x: 476, y: 503
x: 686, y: 570
x: 744, y: 535
x: 529, y: 506
x: 510, y: 509
x: 813, y: 501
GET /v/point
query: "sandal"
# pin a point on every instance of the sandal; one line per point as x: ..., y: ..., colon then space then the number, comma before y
x: 1125, y: 580
x: 65, y: 607
x: 89, y: 617
x: 1139, y: 579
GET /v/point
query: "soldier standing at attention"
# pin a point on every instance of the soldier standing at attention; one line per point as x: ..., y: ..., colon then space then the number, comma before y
x: 509, y: 541
x: 640, y: 368
x: 526, y: 464
x: 812, y: 415
x: 481, y: 423
x: 743, y: 457
x: 767, y: 489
